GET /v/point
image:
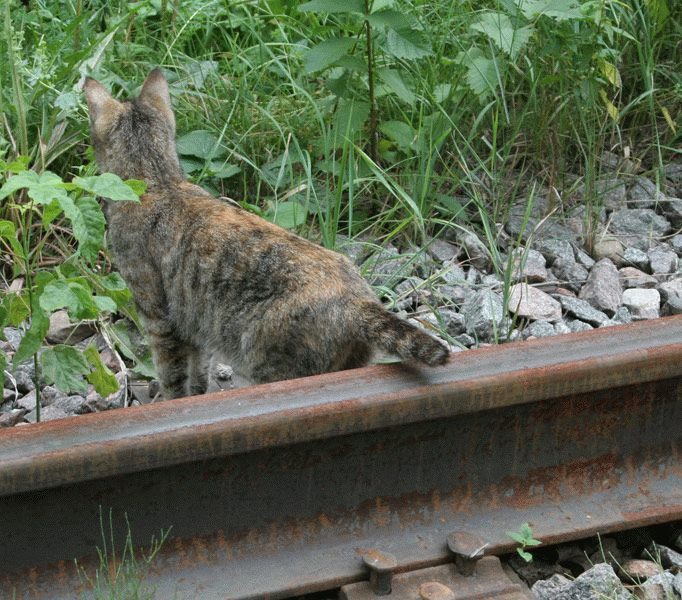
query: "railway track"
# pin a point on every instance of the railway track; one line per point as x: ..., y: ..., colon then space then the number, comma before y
x: 294, y: 487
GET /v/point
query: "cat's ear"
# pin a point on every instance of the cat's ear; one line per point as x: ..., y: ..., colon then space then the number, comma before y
x: 155, y: 92
x: 101, y: 105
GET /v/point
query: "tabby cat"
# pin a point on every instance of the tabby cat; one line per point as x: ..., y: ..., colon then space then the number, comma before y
x: 209, y: 277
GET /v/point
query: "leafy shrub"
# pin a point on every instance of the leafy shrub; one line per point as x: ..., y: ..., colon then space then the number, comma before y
x: 38, y: 201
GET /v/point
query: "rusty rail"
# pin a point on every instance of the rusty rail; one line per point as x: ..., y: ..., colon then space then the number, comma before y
x: 278, y: 489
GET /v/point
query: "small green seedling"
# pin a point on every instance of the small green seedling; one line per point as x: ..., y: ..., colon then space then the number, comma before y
x: 524, y: 537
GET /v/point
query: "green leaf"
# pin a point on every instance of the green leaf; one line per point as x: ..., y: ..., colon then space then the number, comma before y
x: 16, y: 308
x: 145, y: 367
x: 223, y: 170
x: 123, y: 341
x: 121, y: 337
x: 561, y: 10
x: 41, y: 279
x: 326, y: 53
x: 610, y: 71
x: 138, y: 186
x: 395, y: 83
x: 9, y: 232
x: 379, y: 5
x: 338, y: 85
x: 254, y: 208
x: 105, y: 304
x: 393, y: 19
x: 498, y: 27
x: 23, y: 179
x: 333, y: 6
x: 51, y: 212
x: 87, y: 222
x: 67, y: 101
x: 481, y: 75
x: 19, y: 164
x: 76, y: 297
x: 516, y: 536
x: 526, y: 531
x: 89, y: 230
x: 43, y: 188
x: 441, y: 92
x: 288, y: 214
x: 107, y: 185
x: 350, y: 117
x: 112, y: 282
x: 101, y: 377
x: 191, y: 165
x: 65, y: 366
x: 33, y: 338
x: 72, y: 213
x: 200, y: 143
x: 409, y: 44
x: 401, y: 133
x: 527, y: 556
x: 387, y: 151
x: 352, y: 63
x: 116, y: 289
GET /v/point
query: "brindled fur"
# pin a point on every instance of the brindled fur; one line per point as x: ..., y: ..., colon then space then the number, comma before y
x: 210, y: 277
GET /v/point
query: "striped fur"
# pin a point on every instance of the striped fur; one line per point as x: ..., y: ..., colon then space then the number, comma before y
x: 208, y: 277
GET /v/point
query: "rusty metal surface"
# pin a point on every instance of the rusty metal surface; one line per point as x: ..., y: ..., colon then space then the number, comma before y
x: 489, y: 581
x: 279, y: 489
x: 203, y: 427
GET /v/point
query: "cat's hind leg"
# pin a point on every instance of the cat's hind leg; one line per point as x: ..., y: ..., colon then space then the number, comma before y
x: 171, y: 358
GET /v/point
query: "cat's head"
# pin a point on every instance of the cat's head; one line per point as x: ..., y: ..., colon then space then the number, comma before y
x: 136, y: 138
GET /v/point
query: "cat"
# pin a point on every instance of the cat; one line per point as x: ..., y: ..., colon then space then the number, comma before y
x: 209, y: 277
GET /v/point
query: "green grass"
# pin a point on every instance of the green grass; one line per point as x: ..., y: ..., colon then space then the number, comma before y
x: 122, y: 568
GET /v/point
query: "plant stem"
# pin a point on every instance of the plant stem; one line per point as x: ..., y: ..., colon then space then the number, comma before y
x: 370, y: 83
x: 36, y: 367
x: 28, y: 273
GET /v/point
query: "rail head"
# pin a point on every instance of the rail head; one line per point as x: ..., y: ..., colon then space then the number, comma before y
x: 289, y: 412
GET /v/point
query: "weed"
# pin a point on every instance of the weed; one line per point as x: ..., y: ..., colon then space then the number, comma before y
x: 524, y: 537
x: 38, y: 200
x: 120, y: 575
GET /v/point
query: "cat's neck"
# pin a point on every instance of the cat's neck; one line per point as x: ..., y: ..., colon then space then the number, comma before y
x: 165, y: 181
x: 152, y: 167
x: 157, y: 173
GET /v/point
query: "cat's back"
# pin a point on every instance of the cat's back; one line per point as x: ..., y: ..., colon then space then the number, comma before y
x: 221, y: 228
x: 198, y: 240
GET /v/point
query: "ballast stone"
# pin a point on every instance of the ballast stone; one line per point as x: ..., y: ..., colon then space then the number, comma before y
x: 642, y: 303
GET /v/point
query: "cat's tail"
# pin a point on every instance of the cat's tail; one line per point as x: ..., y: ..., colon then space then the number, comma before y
x: 386, y: 330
